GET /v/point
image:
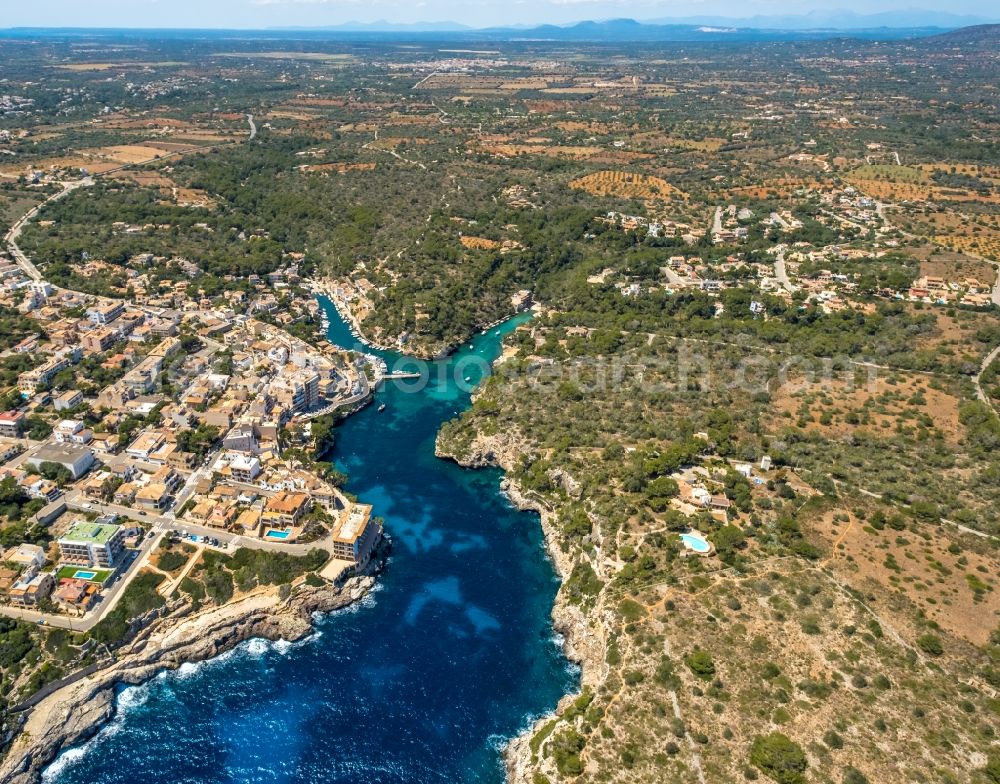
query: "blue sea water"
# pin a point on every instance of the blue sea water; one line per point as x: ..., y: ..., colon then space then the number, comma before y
x: 422, y: 681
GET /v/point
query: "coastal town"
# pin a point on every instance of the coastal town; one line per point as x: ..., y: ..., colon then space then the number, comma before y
x: 718, y: 319
x: 143, y: 422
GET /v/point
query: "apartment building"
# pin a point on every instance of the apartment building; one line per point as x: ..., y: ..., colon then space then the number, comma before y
x: 92, y: 544
x: 298, y: 391
x: 105, y: 313
x: 286, y: 508
x: 356, y: 535
x: 11, y: 424
x: 99, y: 340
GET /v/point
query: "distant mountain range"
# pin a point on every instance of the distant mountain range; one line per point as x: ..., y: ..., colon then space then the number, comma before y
x: 839, y: 20
x: 812, y: 24
x: 978, y: 34
x: 816, y: 25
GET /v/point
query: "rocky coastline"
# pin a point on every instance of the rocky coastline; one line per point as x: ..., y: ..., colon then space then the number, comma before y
x: 75, y: 712
x: 584, y: 639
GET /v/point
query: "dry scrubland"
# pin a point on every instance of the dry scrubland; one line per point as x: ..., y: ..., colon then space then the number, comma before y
x: 718, y: 661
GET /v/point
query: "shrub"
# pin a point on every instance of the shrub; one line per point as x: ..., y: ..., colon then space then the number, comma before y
x: 171, y: 560
x: 701, y: 664
x: 992, y: 770
x: 779, y: 757
x: 139, y: 598
x: 566, y: 748
x: 930, y: 644
x: 854, y: 776
x: 634, y: 678
x: 833, y: 740
x: 219, y: 585
x: 631, y: 610
x: 665, y: 675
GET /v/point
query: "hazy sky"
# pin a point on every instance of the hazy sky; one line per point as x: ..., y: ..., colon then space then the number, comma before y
x: 278, y: 13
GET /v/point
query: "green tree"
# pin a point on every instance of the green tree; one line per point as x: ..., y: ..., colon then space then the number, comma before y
x: 701, y: 664
x: 780, y: 758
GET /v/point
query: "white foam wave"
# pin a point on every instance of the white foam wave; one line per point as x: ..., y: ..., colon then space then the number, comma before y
x: 133, y: 697
x: 282, y: 647
x: 64, y: 762
x: 256, y: 647
x: 500, y: 742
x: 188, y: 670
x: 366, y: 602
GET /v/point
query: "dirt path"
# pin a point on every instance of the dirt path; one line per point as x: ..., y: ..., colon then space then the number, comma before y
x: 982, y: 369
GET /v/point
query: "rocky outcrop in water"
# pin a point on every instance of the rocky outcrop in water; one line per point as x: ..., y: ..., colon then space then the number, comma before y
x: 75, y: 712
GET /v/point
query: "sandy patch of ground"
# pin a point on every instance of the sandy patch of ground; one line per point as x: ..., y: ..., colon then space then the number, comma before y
x: 954, y: 587
x: 838, y: 407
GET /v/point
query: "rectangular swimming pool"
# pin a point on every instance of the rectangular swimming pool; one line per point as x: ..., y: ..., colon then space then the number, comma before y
x: 277, y: 534
x: 83, y: 574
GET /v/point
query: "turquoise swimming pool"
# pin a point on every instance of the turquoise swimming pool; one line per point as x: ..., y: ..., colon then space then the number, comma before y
x: 277, y: 534
x: 83, y: 574
x: 696, y: 543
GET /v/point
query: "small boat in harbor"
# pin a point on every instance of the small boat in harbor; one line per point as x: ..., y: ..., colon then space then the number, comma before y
x: 381, y: 408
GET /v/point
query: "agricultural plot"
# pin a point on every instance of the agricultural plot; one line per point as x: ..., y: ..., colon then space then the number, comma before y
x: 626, y: 185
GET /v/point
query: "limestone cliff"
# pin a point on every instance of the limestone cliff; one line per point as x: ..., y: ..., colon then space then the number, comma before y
x: 75, y: 712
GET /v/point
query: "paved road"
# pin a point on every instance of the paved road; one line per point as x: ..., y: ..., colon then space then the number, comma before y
x: 253, y: 127
x: 15, y: 231
x: 845, y: 219
x: 167, y: 521
x: 202, y: 472
x: 717, y: 221
x: 347, y: 402
x: 672, y: 277
x: 780, y: 272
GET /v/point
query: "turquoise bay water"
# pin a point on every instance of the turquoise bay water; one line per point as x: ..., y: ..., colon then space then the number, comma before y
x: 421, y: 682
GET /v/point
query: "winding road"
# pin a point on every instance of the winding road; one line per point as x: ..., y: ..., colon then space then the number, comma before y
x: 10, y: 239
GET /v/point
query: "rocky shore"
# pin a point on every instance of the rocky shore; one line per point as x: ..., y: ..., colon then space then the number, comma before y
x: 584, y: 639
x: 76, y: 712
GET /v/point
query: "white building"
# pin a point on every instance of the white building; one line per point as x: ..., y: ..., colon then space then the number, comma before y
x: 74, y: 458
x: 245, y: 468
x: 72, y: 431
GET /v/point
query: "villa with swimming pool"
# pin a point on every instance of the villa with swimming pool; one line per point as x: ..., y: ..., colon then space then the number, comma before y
x: 281, y: 520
